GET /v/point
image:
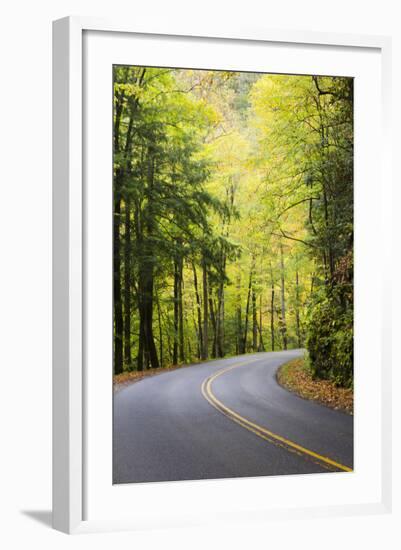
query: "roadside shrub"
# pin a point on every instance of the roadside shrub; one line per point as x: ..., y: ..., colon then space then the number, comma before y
x: 329, y: 337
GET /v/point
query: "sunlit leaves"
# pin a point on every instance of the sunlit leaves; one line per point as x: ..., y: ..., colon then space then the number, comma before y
x: 250, y: 174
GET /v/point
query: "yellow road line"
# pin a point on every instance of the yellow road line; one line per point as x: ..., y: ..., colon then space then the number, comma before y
x: 260, y: 431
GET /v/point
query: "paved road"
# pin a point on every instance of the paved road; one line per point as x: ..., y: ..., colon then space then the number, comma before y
x: 225, y: 418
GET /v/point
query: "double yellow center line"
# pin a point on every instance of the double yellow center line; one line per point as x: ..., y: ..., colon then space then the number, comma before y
x: 261, y: 431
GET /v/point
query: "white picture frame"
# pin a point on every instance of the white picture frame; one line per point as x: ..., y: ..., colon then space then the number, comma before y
x: 70, y: 255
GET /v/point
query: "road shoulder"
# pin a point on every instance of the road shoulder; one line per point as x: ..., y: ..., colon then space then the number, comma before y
x: 296, y: 377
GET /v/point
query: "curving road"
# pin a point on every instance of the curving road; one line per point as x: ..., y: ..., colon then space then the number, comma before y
x: 225, y: 418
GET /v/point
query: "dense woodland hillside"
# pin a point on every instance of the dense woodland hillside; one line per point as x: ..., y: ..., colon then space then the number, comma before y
x: 233, y: 217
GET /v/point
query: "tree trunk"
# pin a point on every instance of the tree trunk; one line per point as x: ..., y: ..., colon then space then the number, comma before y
x: 245, y: 336
x: 325, y: 187
x: 117, y: 302
x: 150, y: 353
x: 189, y: 353
x: 238, y: 343
x: 205, y: 350
x: 176, y: 313
x: 178, y: 351
x: 159, y: 319
x: 180, y: 313
x: 118, y: 309
x: 213, y: 322
x: 283, y: 323
x: 127, y: 284
x: 196, y: 328
x: 139, y: 244
x: 327, y: 222
x: 254, y: 322
x: 199, y: 312
x: 220, y: 321
x: 122, y: 103
x: 297, y: 306
x: 167, y: 331
x: 147, y: 276
x: 220, y: 307
x: 118, y: 182
x: 261, y: 344
x: 140, y: 365
x: 272, y: 308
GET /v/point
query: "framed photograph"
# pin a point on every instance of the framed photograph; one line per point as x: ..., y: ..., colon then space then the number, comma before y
x: 219, y: 326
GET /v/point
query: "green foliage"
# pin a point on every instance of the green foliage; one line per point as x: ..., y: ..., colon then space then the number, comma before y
x: 233, y: 217
x: 305, y: 128
x: 330, y: 338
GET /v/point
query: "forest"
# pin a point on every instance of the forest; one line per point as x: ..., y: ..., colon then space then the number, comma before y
x: 232, y: 218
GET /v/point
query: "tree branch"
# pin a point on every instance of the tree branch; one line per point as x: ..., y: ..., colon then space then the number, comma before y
x: 283, y: 234
x: 296, y: 204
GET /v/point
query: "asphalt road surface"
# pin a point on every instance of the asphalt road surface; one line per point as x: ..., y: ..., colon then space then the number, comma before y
x: 223, y: 419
